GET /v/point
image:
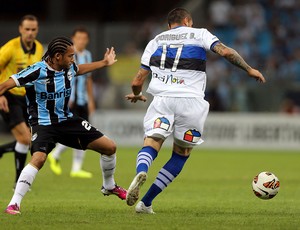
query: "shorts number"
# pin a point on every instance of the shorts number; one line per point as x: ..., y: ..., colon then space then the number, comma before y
x: 86, y: 125
x: 164, y: 55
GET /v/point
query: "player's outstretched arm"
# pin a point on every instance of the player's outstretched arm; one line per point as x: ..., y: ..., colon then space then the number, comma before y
x: 109, y: 59
x: 235, y: 58
x: 137, y: 86
x: 10, y: 83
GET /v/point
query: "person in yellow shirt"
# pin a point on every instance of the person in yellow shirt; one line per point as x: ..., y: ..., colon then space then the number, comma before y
x: 16, y: 55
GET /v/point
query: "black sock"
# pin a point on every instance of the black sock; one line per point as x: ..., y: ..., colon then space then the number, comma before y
x: 20, y: 160
x: 9, y: 147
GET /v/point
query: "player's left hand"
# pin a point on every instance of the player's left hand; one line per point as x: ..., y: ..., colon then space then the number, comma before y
x: 134, y: 98
x: 256, y: 75
x: 110, y: 56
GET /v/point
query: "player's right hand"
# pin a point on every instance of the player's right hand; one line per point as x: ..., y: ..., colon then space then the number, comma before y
x: 110, y: 56
x: 134, y: 98
x: 256, y: 75
x: 4, y: 104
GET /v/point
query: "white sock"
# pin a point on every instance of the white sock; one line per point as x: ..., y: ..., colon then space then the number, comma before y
x: 78, y: 156
x: 24, y: 182
x: 21, y: 148
x: 108, y: 166
x: 58, y: 150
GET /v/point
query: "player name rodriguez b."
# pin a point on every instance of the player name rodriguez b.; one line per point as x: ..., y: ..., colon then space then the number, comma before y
x: 169, y: 37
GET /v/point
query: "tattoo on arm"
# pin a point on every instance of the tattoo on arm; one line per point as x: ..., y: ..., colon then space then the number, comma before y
x: 137, y: 86
x: 237, y: 60
x: 219, y: 48
x: 138, y: 81
x: 139, y: 75
x: 231, y: 55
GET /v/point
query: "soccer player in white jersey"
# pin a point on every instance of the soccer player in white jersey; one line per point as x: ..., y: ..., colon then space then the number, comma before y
x: 177, y: 59
x: 81, y: 103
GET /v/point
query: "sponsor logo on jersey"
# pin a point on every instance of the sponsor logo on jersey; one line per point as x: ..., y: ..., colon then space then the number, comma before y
x: 192, y: 135
x: 161, y: 123
x: 169, y: 79
x: 55, y: 95
x: 34, y: 136
x: 46, y: 81
x: 42, y: 149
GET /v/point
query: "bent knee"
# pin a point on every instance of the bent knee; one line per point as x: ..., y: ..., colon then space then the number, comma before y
x: 24, y: 140
x: 181, y: 150
x: 103, y: 145
x: 38, y: 159
x: 22, y: 134
x: 111, y: 148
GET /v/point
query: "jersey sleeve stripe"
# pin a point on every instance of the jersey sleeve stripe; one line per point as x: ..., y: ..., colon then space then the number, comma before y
x: 27, y: 76
x: 15, y: 80
x: 145, y: 67
x: 213, y: 44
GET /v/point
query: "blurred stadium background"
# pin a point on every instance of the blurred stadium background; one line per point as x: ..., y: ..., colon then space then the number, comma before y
x: 265, y: 32
x: 214, y: 190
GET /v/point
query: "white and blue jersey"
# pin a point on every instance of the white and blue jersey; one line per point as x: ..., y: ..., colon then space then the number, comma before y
x: 79, y: 89
x: 177, y: 59
x: 47, y: 92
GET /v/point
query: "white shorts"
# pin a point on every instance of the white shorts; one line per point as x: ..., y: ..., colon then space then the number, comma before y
x: 184, y: 117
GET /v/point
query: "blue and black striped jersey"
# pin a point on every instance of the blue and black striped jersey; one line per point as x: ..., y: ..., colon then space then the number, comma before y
x: 79, y: 85
x: 47, y: 92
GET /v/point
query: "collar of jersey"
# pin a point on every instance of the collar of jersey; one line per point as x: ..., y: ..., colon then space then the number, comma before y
x: 50, y: 68
x: 31, y: 51
x: 177, y: 27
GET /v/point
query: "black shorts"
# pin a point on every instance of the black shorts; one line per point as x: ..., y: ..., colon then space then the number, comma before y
x: 17, y: 110
x: 76, y: 133
x: 81, y: 111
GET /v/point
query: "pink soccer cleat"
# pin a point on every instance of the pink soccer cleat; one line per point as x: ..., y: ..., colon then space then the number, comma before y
x: 13, y: 210
x: 118, y: 191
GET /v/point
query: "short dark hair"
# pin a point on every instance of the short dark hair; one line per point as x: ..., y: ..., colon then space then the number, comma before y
x: 29, y: 17
x: 81, y: 29
x: 57, y: 45
x: 177, y: 15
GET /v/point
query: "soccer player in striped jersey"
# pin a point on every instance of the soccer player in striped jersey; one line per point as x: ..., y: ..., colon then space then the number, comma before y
x: 48, y: 90
x: 81, y: 103
x: 177, y: 60
x: 15, y: 55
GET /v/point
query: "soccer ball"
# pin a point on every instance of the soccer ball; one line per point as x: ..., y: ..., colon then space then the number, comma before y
x: 265, y: 185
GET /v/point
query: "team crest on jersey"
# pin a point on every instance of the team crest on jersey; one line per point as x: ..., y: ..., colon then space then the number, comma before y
x: 69, y: 75
x: 161, y: 123
x: 192, y: 135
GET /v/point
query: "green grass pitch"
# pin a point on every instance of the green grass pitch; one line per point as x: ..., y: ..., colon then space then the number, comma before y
x: 212, y: 192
